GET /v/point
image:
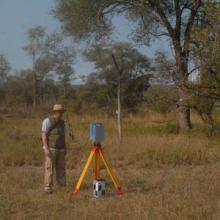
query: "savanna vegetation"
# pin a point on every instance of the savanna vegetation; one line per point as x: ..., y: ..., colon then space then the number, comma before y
x: 160, y: 112
x: 163, y: 175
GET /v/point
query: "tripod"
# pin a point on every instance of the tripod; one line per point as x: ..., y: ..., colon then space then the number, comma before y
x: 97, y: 154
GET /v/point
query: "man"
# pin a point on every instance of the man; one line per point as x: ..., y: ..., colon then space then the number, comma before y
x: 53, y: 138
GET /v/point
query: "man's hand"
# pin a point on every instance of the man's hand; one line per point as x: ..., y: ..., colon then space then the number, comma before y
x: 47, y: 152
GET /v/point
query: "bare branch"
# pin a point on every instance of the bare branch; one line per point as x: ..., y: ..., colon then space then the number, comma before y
x: 194, y: 69
x: 116, y: 63
x: 197, y: 4
x: 156, y: 4
x: 178, y: 18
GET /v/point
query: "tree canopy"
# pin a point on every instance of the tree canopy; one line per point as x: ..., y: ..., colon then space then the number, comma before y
x: 134, y: 69
x: 151, y: 19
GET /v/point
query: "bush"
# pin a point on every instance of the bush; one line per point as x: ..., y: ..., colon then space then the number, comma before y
x: 162, y: 98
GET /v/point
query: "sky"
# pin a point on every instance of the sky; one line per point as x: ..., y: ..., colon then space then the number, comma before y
x: 17, y: 16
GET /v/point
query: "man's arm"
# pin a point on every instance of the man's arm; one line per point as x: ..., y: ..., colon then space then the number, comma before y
x: 45, y: 129
x: 45, y: 144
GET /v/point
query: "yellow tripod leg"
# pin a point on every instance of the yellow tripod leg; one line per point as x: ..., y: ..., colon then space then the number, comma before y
x: 110, y: 172
x: 83, y: 172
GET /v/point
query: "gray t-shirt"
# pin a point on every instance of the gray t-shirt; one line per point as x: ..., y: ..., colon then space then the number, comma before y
x: 46, y: 125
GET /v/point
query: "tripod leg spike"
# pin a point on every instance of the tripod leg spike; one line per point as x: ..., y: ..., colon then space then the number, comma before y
x: 120, y: 192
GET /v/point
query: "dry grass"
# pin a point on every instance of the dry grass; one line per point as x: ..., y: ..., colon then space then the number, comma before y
x: 164, y: 175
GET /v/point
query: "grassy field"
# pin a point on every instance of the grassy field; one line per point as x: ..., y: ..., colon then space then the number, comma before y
x: 164, y: 175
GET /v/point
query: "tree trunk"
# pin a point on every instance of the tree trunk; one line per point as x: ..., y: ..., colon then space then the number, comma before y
x: 184, y: 120
x: 119, y: 117
x: 34, y: 91
x: 183, y: 104
x: 34, y: 86
x: 119, y: 107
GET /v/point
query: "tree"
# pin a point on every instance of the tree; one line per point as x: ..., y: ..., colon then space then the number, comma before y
x: 34, y: 49
x: 162, y: 98
x: 174, y: 19
x: 18, y: 91
x: 206, y: 52
x: 125, y: 73
x: 49, y: 54
x: 93, y: 94
x: 4, y: 69
x: 64, y: 69
x: 164, y: 67
x: 205, y: 57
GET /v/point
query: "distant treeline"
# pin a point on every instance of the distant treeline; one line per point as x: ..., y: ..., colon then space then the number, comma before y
x: 124, y: 80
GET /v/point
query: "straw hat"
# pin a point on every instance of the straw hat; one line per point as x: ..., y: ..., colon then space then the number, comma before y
x: 58, y: 107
